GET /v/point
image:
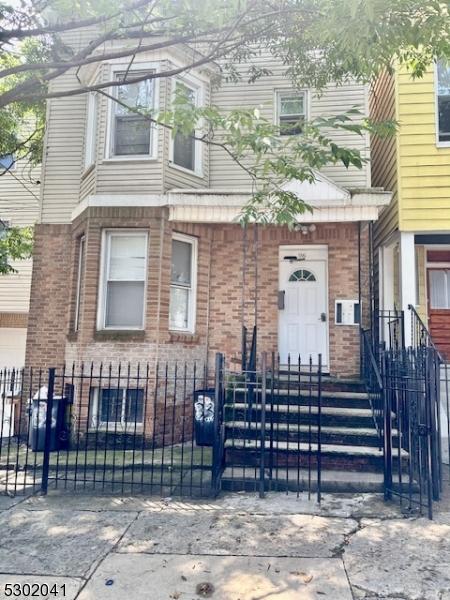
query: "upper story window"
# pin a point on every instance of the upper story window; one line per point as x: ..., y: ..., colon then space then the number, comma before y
x: 291, y: 112
x: 183, y: 283
x: 7, y: 162
x: 123, y: 280
x: 90, y: 137
x: 186, y: 150
x: 132, y: 133
x: 443, y: 102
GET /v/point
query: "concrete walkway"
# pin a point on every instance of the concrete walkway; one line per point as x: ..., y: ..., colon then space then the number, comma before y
x: 235, y: 548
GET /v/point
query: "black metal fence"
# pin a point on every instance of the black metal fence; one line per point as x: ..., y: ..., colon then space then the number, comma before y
x: 412, y: 436
x: 272, y: 427
x: 126, y: 429
x: 370, y: 371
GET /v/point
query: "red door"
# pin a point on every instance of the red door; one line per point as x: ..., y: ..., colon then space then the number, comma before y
x: 439, y: 308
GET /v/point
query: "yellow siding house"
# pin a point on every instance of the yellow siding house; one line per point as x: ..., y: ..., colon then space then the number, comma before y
x: 412, y: 236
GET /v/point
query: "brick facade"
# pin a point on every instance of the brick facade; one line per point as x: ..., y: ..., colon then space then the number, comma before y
x: 225, y: 294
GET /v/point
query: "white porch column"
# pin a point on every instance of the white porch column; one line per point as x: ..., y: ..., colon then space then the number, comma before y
x: 386, y: 285
x: 407, y: 279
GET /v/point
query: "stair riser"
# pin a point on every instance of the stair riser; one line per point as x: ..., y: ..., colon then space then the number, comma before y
x: 347, y: 439
x: 334, y: 386
x: 295, y: 400
x: 234, y: 414
x: 337, y: 487
x: 291, y: 459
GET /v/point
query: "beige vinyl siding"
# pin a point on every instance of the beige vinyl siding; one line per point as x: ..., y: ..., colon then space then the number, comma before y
x: 19, y: 204
x: 384, y: 154
x: 224, y: 173
x: 64, y: 152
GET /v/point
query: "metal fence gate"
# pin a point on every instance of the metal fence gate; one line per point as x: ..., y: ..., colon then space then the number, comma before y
x: 412, y: 436
x: 272, y: 427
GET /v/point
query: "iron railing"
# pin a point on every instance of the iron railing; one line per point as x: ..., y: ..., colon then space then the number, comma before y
x: 390, y: 332
x: 273, y: 428
x: 373, y: 381
x: 412, y: 427
x: 128, y: 429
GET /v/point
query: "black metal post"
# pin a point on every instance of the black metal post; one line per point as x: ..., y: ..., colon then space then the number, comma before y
x: 319, y: 432
x: 218, y: 438
x: 48, y: 430
x: 387, y: 427
x: 263, y: 425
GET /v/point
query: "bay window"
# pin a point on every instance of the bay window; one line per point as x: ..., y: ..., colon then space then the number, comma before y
x: 186, y: 150
x: 443, y: 102
x: 131, y: 133
x: 123, y: 280
x: 183, y: 283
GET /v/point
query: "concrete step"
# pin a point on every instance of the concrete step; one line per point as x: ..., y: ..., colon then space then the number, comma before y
x: 298, y: 480
x: 362, y: 436
x: 243, y: 452
x: 298, y: 414
x: 292, y: 395
x: 327, y: 382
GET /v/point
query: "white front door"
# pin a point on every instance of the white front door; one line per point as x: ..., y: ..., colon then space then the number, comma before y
x: 303, y: 304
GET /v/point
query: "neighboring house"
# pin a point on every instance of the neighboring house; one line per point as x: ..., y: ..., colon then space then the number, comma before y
x: 412, y: 236
x: 138, y: 255
x: 19, y: 206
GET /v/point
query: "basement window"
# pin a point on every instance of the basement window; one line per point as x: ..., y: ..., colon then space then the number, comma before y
x: 117, y: 407
x: 443, y: 102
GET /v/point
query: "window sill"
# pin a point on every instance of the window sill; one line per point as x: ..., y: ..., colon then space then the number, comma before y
x: 198, y: 173
x: 119, y: 334
x: 118, y: 429
x: 185, y: 337
x: 136, y: 159
x: 443, y: 144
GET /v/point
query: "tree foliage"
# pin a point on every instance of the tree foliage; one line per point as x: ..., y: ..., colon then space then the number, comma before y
x: 318, y: 41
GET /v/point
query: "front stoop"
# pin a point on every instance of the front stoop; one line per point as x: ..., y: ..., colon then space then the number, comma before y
x: 351, y: 456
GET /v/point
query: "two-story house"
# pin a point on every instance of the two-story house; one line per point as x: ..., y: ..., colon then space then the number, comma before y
x: 138, y: 255
x: 412, y: 235
x: 19, y: 205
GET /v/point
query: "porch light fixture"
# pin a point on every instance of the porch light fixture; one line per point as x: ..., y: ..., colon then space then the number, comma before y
x: 304, y: 228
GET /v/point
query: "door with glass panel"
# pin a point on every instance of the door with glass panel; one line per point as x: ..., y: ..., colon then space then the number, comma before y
x: 439, y: 308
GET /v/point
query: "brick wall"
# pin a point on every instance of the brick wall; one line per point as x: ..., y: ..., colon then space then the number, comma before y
x: 225, y: 294
x: 50, y: 296
x: 228, y: 303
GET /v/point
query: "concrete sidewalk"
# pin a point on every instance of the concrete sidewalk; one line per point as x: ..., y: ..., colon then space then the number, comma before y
x: 235, y: 548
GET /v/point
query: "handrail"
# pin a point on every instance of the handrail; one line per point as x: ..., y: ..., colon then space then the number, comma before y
x: 373, y: 361
x: 373, y: 382
x: 422, y: 332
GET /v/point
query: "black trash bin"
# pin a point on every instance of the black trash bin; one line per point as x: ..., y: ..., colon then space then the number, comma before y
x: 204, y: 409
x: 58, y: 435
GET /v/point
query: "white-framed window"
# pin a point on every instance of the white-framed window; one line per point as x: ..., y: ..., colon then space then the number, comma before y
x: 7, y: 161
x: 439, y: 282
x: 123, y: 280
x: 131, y: 134
x: 443, y: 103
x: 90, y: 138
x: 183, y: 283
x: 291, y: 111
x: 186, y: 151
x: 117, y: 407
x: 80, y: 278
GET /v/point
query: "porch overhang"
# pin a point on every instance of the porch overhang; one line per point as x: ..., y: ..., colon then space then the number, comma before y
x: 330, y: 204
